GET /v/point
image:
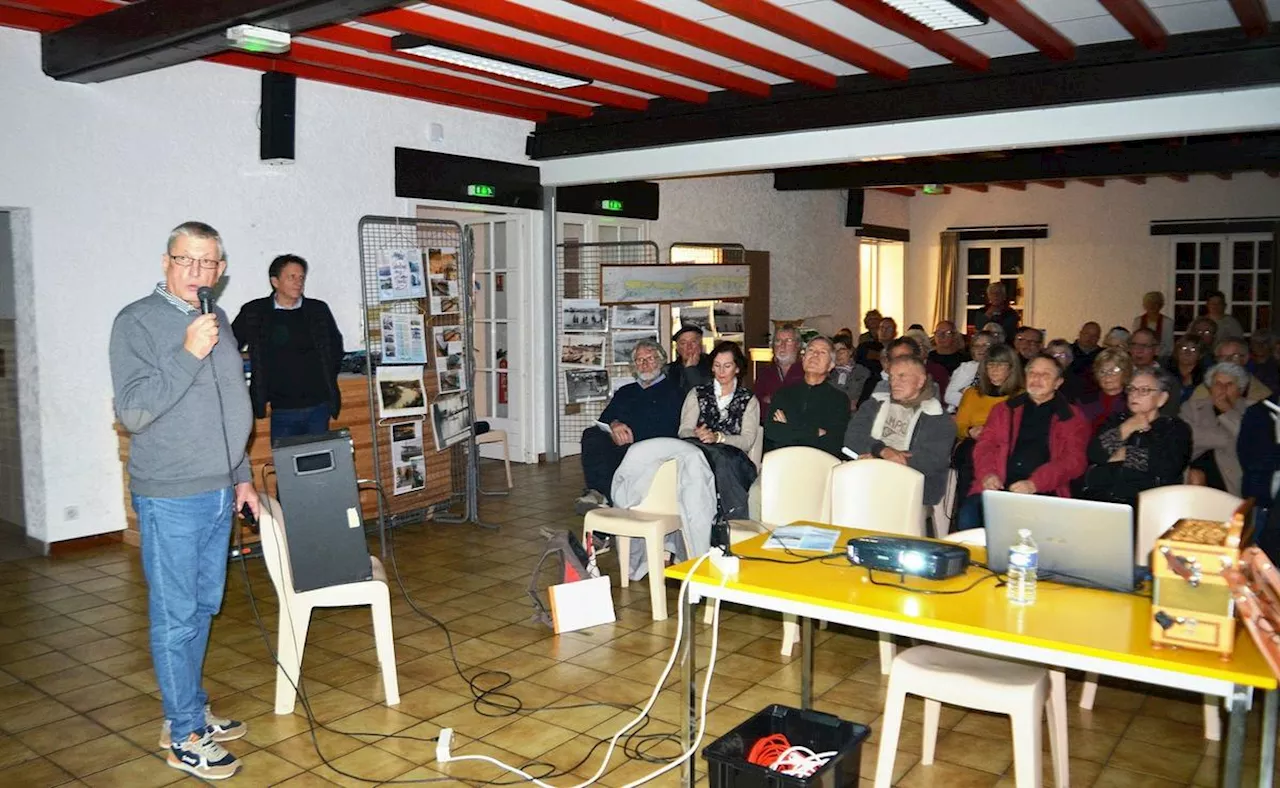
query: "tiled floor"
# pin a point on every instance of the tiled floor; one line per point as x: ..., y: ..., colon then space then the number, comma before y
x: 79, y: 706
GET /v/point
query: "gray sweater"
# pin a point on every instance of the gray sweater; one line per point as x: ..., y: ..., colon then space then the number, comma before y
x: 165, y: 398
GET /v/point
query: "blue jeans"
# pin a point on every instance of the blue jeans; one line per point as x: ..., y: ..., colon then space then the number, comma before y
x: 185, y: 543
x: 300, y: 421
x: 970, y: 514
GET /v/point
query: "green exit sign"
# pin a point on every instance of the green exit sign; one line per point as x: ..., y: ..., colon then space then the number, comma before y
x: 611, y: 205
x: 480, y: 190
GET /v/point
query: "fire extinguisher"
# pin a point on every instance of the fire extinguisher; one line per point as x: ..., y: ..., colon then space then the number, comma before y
x: 502, y: 381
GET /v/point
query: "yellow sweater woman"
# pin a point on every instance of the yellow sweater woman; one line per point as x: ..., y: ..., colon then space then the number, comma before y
x: 999, y: 378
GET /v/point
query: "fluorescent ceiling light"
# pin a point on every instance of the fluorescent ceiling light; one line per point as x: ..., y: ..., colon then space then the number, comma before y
x: 416, y: 45
x: 251, y: 38
x: 940, y: 14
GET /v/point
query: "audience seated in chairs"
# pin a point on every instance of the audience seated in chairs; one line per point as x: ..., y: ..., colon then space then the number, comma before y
x: 871, y: 321
x: 1204, y: 331
x: 1083, y: 352
x: 870, y: 354
x: 1215, y: 428
x: 1235, y: 350
x: 1029, y: 342
x: 1259, y: 451
x: 1073, y: 388
x: 1185, y: 366
x: 1215, y: 309
x: 723, y: 419
x: 783, y: 371
x: 1112, y: 369
x: 908, y: 347
x: 907, y: 425
x: 948, y: 347
x: 811, y: 412
x: 648, y: 408
x: 1138, y: 448
x: 1143, y: 346
x: 691, y: 367
x: 1000, y: 376
x: 1117, y: 337
x: 997, y: 310
x: 966, y: 375
x: 1033, y: 443
x: 847, y: 376
x: 1262, y: 361
x: 1160, y: 324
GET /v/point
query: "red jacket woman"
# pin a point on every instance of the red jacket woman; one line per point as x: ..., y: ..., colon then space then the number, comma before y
x: 1069, y: 433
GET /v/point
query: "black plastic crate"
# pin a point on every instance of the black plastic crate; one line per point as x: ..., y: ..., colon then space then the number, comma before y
x: 727, y: 756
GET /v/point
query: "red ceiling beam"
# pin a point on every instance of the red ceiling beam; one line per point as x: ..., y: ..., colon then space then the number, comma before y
x: 23, y: 19
x: 75, y: 9
x: 665, y: 23
x: 1135, y: 17
x: 1017, y: 186
x: 361, y: 82
x: 1272, y: 173
x: 1222, y: 176
x: 901, y: 191
x: 974, y: 187
x: 1137, y: 180
x: 1053, y: 184
x: 948, y: 46
x: 1252, y: 15
x: 342, y: 61
x: 544, y: 24
x: 778, y: 20
x: 1099, y: 182
x: 447, y: 32
x: 380, y: 44
x: 1178, y: 178
x: 1028, y: 27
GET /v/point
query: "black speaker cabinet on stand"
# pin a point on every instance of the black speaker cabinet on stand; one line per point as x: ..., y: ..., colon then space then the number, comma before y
x: 279, y: 99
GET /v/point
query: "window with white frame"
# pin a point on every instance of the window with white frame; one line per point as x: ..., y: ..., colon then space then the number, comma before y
x: 984, y: 263
x: 1237, y: 265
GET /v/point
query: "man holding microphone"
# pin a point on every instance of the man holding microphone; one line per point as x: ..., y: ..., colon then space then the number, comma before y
x: 180, y: 393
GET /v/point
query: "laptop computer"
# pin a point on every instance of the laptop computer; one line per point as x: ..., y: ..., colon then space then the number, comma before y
x: 1086, y: 543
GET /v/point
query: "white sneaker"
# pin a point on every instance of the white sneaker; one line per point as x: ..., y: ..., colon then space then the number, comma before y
x: 223, y: 729
x: 203, y: 757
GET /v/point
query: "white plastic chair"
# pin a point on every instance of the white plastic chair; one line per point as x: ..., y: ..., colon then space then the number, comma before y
x: 295, y: 611
x: 973, y: 681
x: 499, y: 436
x: 1158, y: 509
x: 651, y: 520
x: 795, y: 486
x: 878, y: 495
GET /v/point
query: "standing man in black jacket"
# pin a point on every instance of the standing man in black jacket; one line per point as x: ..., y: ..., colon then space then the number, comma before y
x: 294, y: 351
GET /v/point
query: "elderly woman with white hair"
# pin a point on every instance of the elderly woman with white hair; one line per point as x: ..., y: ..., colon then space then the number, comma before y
x: 1215, y: 426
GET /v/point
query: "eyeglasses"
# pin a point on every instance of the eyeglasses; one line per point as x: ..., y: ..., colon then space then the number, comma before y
x: 1142, y: 391
x: 185, y: 262
x: 1189, y: 348
x: 945, y: 333
x: 1109, y: 372
x: 1233, y: 356
x: 1060, y: 354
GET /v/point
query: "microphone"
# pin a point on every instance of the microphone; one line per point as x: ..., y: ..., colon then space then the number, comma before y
x: 205, y: 294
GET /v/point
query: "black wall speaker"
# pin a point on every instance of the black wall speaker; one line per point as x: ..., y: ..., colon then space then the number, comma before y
x: 853, y: 213
x: 279, y: 98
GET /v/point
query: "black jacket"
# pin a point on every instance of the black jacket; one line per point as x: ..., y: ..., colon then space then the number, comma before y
x: 675, y: 373
x: 1155, y: 458
x: 252, y: 327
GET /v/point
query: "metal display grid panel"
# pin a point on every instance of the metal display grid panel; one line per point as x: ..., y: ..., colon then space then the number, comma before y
x: 578, y: 276
x: 451, y: 474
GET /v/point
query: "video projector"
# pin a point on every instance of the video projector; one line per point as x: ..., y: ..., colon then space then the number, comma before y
x: 905, y: 556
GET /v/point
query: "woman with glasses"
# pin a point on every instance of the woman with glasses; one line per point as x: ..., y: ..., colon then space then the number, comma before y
x: 966, y: 374
x: 1137, y: 449
x: 999, y: 378
x: 1185, y: 365
x: 1112, y: 369
x: 1215, y: 428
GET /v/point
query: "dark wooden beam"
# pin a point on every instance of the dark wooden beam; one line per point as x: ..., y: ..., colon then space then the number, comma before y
x: 1252, y: 15
x: 1053, y: 184
x: 1136, y: 160
x: 1138, y: 180
x: 973, y: 187
x: 1017, y: 186
x: 1139, y: 21
x: 154, y: 34
x: 1194, y: 62
x: 902, y: 191
x: 1222, y: 176
x: 1272, y: 173
x: 1179, y: 178
x: 1099, y: 182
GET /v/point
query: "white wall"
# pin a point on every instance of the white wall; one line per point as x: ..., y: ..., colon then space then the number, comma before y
x: 1099, y: 257
x: 106, y: 170
x: 813, y: 263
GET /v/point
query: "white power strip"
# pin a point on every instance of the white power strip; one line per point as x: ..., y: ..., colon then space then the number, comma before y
x: 443, y: 745
x: 727, y: 564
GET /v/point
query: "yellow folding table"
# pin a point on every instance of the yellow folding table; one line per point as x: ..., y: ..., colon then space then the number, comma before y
x: 1069, y: 627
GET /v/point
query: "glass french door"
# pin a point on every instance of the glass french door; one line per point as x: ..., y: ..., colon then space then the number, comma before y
x: 1237, y: 265
x: 984, y: 263
x: 496, y: 330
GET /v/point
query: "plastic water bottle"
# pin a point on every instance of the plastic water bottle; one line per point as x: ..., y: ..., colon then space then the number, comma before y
x: 1024, y: 559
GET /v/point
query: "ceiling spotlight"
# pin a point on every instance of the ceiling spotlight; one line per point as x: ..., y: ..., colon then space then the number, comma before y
x: 251, y: 38
x: 422, y: 47
x: 941, y: 14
